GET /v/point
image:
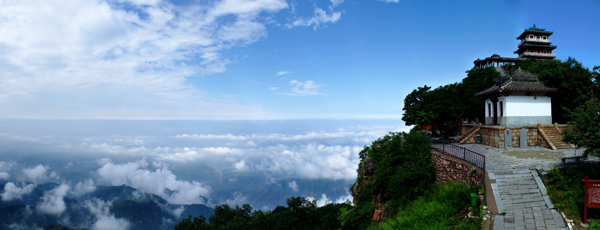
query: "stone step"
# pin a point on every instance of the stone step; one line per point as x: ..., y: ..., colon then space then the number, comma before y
x: 519, y: 191
x: 523, y: 200
x: 517, y: 187
x: 513, y: 180
x: 512, y: 172
x: 516, y: 183
x: 507, y: 176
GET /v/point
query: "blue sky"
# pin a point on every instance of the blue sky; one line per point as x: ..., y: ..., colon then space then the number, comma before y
x: 266, y: 59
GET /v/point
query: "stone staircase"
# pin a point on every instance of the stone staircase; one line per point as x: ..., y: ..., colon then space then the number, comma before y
x: 522, y: 196
x: 555, y: 137
x: 467, y: 135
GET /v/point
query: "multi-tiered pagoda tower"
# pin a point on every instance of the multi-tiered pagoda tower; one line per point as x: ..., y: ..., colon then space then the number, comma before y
x: 536, y: 43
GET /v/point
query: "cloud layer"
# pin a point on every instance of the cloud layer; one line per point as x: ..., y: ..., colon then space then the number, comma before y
x: 161, y: 182
x: 129, y: 58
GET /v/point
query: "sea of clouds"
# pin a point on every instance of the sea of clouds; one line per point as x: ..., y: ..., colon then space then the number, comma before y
x: 181, y: 167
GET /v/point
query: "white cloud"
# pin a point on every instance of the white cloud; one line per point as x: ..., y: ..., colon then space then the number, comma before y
x: 324, y: 200
x: 84, y: 187
x: 238, y: 199
x: 283, y: 72
x: 105, y: 220
x: 135, y: 175
x: 53, y: 201
x: 4, y: 176
x: 241, y: 166
x: 273, y: 88
x: 395, y: 1
x: 38, y: 173
x: 304, y: 88
x: 60, y: 56
x: 6, y: 165
x: 335, y: 3
x: 14, y: 192
x: 320, y: 17
x: 293, y: 185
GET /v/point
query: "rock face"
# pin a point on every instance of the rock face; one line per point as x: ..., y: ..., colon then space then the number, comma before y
x: 365, y: 176
x: 448, y: 168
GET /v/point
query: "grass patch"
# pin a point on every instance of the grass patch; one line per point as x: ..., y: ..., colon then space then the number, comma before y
x: 566, y: 190
x: 439, y: 209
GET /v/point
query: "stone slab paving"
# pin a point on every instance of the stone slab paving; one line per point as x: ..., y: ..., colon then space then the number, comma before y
x: 521, y: 195
x: 519, y: 191
x: 532, y: 157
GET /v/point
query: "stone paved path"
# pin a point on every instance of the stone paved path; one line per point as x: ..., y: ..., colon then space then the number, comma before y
x: 521, y: 194
x: 520, y: 158
x: 518, y: 190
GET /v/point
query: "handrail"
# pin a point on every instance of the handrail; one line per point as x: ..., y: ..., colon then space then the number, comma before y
x: 469, y: 133
x: 462, y: 153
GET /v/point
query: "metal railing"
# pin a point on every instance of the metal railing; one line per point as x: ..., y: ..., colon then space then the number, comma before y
x: 461, y: 153
x: 464, y: 154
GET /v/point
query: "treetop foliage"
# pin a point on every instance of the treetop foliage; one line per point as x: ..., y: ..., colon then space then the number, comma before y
x: 300, y: 213
x: 443, y: 105
x: 402, y: 171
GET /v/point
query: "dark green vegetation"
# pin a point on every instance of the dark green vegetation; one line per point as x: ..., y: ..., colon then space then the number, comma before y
x: 404, y: 175
x: 443, y: 106
x: 566, y: 190
x: 585, y: 127
x: 436, y: 210
x: 300, y: 213
x: 142, y: 210
x: 575, y: 83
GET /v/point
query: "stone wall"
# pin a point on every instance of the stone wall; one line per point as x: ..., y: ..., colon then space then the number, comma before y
x: 532, y: 136
x: 494, y: 135
x: 449, y: 168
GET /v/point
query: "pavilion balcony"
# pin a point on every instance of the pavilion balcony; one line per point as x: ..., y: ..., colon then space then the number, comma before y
x: 527, y: 39
x: 532, y: 54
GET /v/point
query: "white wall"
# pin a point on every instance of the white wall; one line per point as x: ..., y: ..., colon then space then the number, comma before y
x: 488, y: 102
x: 517, y: 106
x: 501, y: 100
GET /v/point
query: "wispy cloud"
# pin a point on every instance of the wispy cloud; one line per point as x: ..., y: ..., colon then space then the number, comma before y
x: 395, y: 1
x: 96, y: 59
x: 283, y: 72
x: 335, y: 3
x: 304, y: 88
x: 273, y: 88
x: 320, y: 17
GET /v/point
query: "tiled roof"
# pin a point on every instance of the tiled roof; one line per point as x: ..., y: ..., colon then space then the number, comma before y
x: 517, y: 81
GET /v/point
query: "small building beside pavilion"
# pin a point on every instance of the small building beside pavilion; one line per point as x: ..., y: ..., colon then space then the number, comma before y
x: 518, y: 99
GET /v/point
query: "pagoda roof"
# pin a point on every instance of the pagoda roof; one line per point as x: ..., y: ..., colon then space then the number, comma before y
x: 534, y: 30
x: 517, y: 81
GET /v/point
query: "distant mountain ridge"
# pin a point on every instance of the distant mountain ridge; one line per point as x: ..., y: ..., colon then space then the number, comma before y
x: 141, y: 210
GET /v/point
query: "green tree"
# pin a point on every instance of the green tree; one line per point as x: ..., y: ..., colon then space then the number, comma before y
x: 301, y: 213
x: 585, y: 127
x: 413, y: 105
x: 402, y: 171
x: 574, y: 82
x: 476, y: 81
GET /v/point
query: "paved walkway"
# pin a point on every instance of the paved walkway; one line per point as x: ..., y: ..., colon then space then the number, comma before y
x: 518, y: 189
x: 522, y: 196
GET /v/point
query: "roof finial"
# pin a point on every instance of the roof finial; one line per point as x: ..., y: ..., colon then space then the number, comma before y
x: 534, y: 25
